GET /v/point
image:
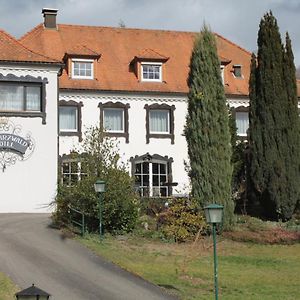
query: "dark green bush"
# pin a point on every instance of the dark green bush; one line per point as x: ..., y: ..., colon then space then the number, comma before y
x: 120, y: 209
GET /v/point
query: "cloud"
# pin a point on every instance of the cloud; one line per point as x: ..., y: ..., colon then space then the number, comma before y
x: 235, y: 20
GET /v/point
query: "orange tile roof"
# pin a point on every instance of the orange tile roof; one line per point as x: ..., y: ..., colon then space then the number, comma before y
x: 83, y: 51
x: 149, y: 54
x: 118, y: 48
x: 11, y: 50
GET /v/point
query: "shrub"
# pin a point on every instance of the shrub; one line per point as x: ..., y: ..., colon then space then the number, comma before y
x: 153, y: 206
x: 255, y: 230
x: 101, y: 160
x: 182, y: 220
x: 271, y: 236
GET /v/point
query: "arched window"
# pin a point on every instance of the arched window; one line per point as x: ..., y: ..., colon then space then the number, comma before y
x: 152, y: 175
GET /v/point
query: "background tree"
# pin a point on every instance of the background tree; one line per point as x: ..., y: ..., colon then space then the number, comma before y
x: 99, y: 159
x: 207, y: 128
x: 274, y: 124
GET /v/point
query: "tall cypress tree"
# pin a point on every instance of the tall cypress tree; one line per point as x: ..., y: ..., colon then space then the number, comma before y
x: 274, y: 124
x: 207, y: 130
x: 293, y: 134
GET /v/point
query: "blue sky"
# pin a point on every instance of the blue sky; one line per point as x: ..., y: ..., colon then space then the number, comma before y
x: 237, y: 20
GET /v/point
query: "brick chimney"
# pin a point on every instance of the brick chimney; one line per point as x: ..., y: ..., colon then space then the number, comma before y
x: 49, y: 17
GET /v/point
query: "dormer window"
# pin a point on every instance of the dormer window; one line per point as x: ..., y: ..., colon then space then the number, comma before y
x: 151, y: 71
x: 81, y: 62
x: 82, y: 68
x: 237, y: 71
x: 150, y: 66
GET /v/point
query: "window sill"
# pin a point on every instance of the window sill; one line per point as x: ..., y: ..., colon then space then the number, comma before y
x: 71, y: 133
x: 152, y: 80
x: 83, y: 78
x: 118, y: 134
x: 24, y: 114
x: 162, y: 136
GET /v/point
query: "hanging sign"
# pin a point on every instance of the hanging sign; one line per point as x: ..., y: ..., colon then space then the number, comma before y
x: 12, y: 142
x: 14, y: 146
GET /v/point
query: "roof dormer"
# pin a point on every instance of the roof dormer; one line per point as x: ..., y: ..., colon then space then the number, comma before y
x: 149, y: 66
x: 224, y: 62
x: 81, y: 62
x: 237, y: 71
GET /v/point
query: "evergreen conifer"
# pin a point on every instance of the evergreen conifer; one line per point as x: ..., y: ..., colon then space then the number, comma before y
x: 207, y: 128
x: 274, y: 124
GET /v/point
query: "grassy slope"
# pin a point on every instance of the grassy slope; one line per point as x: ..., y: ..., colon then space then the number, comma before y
x: 7, y: 288
x: 246, y: 271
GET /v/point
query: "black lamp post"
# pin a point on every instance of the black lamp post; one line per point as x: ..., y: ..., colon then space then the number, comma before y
x: 100, y: 188
x: 214, y: 216
x: 32, y: 293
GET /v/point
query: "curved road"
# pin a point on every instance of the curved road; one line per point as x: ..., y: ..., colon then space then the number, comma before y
x: 32, y: 252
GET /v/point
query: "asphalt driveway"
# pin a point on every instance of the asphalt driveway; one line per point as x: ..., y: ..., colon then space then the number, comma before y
x: 32, y: 252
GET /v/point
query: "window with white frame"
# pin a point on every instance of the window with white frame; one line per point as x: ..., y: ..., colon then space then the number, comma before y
x: 237, y: 71
x: 68, y: 118
x: 242, y: 122
x: 113, y: 119
x: 153, y: 175
x: 151, y: 71
x: 151, y: 178
x: 159, y: 121
x: 72, y: 171
x: 83, y: 68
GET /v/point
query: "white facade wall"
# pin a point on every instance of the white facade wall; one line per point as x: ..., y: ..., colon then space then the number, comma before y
x: 137, y: 145
x: 137, y: 130
x: 30, y: 185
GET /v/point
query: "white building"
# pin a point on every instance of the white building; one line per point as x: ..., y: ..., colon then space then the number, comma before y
x: 131, y: 82
x: 28, y: 127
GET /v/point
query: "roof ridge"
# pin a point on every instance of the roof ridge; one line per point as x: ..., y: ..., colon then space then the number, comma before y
x: 128, y: 28
x: 156, y: 52
x: 152, y: 50
x: 12, y: 38
x: 232, y: 43
x: 36, y: 53
x: 26, y: 34
x: 85, y: 46
x: 146, y: 29
x: 8, y: 35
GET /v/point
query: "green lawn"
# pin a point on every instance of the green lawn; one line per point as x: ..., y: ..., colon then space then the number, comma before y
x: 246, y: 271
x: 7, y: 288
